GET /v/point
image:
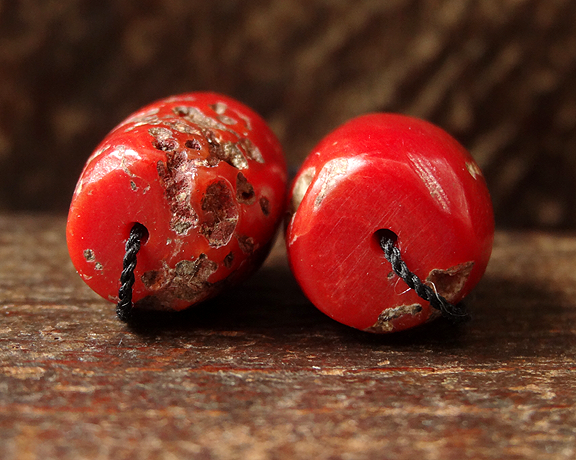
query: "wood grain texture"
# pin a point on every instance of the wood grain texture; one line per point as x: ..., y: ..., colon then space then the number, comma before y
x: 260, y: 374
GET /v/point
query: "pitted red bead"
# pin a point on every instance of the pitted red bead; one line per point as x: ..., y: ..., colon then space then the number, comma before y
x: 399, y: 175
x: 205, y: 175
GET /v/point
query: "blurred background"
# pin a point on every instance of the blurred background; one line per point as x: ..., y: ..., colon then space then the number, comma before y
x: 500, y: 75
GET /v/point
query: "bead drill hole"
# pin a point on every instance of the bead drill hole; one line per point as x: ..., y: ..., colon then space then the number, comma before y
x: 143, y: 229
x: 384, y: 233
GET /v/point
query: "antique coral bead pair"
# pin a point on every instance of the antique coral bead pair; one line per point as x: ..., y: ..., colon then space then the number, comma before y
x: 203, y: 178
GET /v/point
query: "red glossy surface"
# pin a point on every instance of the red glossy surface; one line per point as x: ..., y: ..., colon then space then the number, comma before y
x: 207, y: 178
x: 385, y: 171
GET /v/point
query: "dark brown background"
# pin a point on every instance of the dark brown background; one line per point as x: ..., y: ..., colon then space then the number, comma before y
x: 497, y: 74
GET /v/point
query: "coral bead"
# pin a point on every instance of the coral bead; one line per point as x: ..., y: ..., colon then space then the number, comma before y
x: 206, y: 177
x: 387, y: 174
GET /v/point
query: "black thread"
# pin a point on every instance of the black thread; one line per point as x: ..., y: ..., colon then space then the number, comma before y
x: 124, y: 306
x: 455, y: 313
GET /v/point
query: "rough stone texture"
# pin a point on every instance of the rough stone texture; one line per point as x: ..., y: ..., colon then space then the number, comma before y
x: 498, y: 74
x: 260, y: 374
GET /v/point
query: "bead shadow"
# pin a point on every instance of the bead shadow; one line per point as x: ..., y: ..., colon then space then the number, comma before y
x: 507, y: 316
x: 271, y: 303
x: 271, y: 300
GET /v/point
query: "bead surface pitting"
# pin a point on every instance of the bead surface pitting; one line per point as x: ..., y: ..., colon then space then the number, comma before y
x: 204, y: 175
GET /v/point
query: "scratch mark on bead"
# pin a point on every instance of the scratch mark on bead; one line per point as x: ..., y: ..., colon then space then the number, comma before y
x: 450, y: 282
x: 126, y: 157
x: 426, y: 170
x: 181, y: 127
x: 384, y: 323
x: 227, y: 120
x: 252, y: 151
x: 98, y: 153
x: 246, y: 120
x: 301, y: 187
x: 330, y: 175
x: 233, y: 155
x: 473, y: 169
x: 219, y: 107
x: 196, y: 116
x: 79, y: 186
x: 149, y: 117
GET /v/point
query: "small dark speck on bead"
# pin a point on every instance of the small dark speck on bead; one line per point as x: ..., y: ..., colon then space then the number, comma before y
x: 265, y: 206
x: 193, y: 144
x: 229, y: 259
x: 166, y: 145
x: 89, y: 255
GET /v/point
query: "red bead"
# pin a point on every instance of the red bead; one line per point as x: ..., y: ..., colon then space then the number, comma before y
x: 207, y: 178
x: 396, y: 175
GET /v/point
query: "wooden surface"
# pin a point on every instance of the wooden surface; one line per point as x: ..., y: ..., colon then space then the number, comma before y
x: 260, y: 374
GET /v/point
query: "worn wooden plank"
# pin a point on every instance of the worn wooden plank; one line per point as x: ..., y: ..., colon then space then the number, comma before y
x: 260, y: 374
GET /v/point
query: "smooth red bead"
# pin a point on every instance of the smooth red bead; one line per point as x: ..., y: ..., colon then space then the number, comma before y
x: 386, y: 172
x: 207, y: 178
